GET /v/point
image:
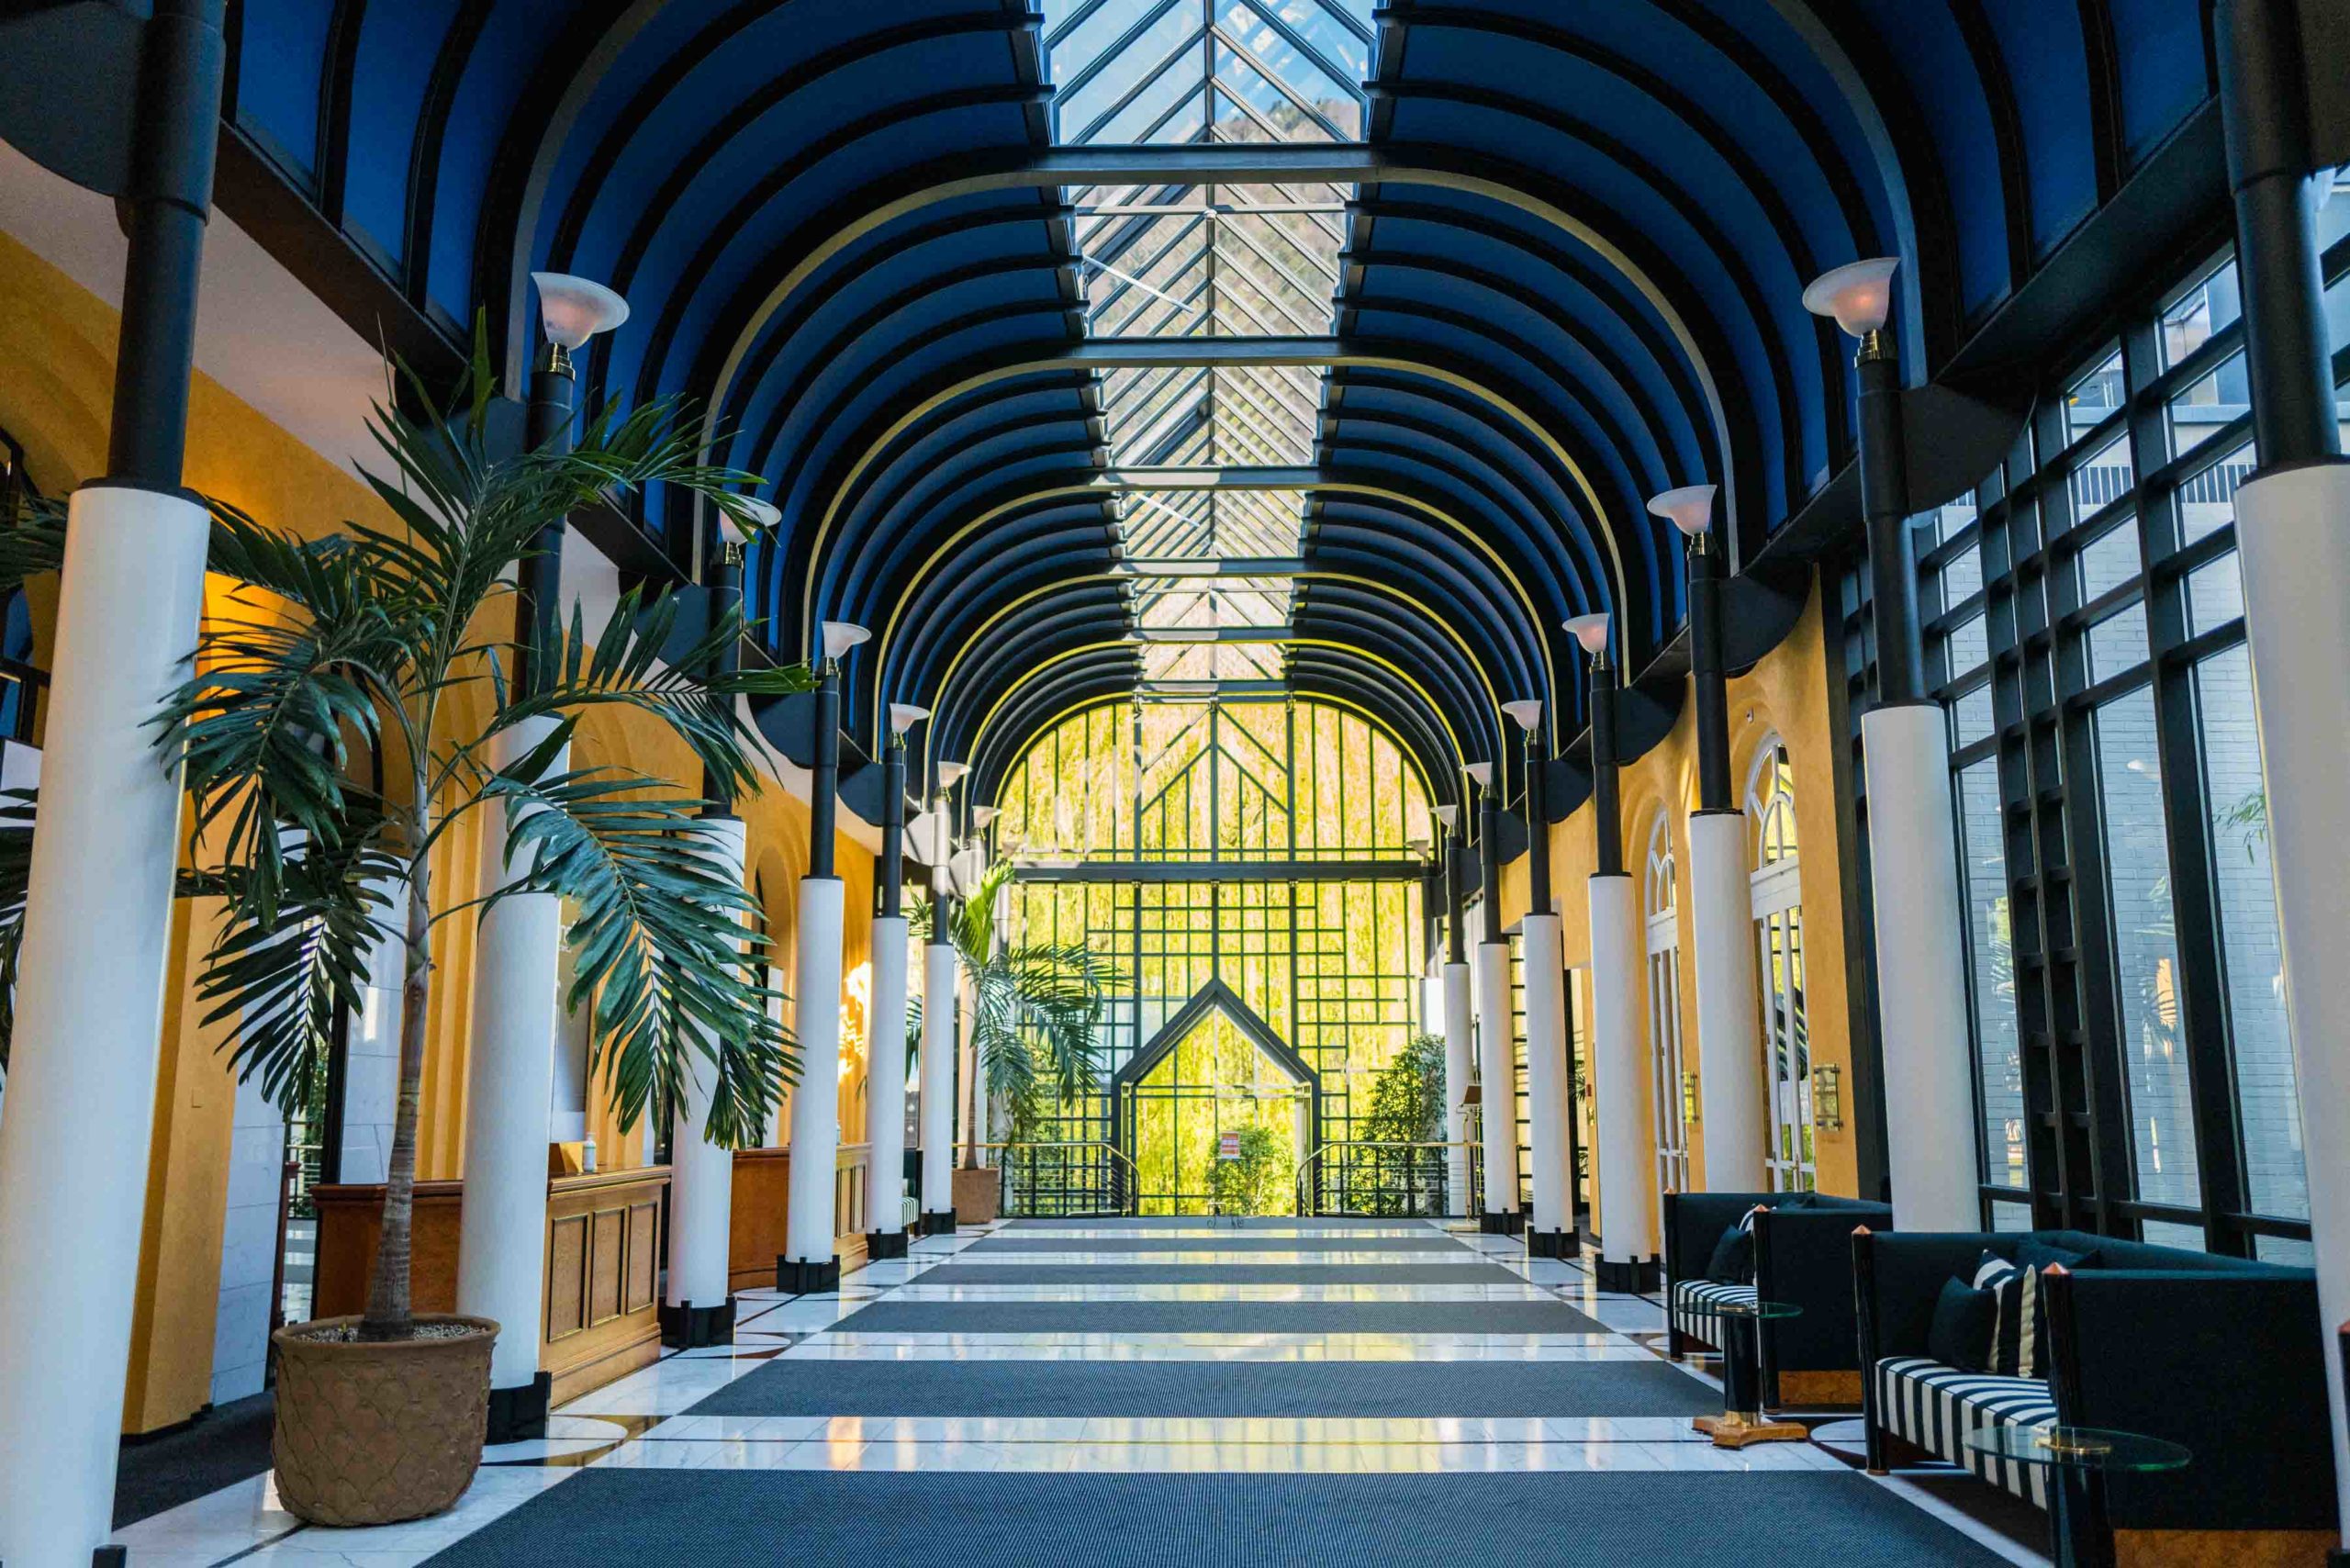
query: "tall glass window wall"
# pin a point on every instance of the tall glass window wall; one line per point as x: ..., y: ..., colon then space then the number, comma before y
x: 2085, y: 635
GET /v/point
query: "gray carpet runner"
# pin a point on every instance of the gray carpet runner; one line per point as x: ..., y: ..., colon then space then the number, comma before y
x: 714, y: 1519
x: 1213, y: 1388
x: 1218, y: 1318
x: 1460, y: 1273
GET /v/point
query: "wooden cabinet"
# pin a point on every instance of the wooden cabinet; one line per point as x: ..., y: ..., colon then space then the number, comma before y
x: 603, y: 1266
x: 763, y: 1190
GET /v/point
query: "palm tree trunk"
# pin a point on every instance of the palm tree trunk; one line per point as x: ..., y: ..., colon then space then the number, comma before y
x: 388, y: 1308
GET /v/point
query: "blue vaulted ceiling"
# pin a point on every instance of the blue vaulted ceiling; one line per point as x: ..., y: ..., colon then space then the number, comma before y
x: 1569, y: 279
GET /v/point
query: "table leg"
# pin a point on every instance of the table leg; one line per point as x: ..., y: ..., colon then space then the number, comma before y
x: 1742, y: 1421
x: 2078, y: 1519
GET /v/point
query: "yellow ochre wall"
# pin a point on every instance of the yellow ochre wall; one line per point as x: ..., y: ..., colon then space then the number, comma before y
x: 1787, y: 694
x: 57, y: 345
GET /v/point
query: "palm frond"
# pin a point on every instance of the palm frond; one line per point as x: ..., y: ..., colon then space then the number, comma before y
x: 659, y: 940
x: 32, y: 543
x: 264, y: 733
x: 284, y: 976
x: 1035, y: 1011
x: 622, y: 665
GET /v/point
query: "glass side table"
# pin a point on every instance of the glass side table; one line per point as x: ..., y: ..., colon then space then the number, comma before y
x: 1741, y: 1421
x: 2078, y: 1459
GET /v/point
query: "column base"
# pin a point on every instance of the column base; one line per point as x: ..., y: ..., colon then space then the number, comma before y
x: 1635, y: 1276
x: 1553, y: 1244
x: 1510, y: 1223
x: 938, y: 1224
x: 518, y: 1414
x: 689, y: 1327
x: 883, y: 1245
x: 807, y: 1276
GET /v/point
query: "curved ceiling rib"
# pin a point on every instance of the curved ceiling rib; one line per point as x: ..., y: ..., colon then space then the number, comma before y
x: 1439, y: 294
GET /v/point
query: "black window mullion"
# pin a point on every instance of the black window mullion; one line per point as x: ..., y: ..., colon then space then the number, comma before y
x: 2195, y: 915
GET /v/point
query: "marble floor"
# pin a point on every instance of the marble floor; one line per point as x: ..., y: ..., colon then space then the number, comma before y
x: 649, y: 1421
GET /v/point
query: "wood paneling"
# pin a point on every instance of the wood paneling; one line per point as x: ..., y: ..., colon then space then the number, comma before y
x: 602, y: 1262
x: 762, y: 1190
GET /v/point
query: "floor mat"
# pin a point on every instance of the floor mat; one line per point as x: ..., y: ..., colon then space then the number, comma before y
x: 788, y: 1387
x: 1130, y: 1317
x: 711, y: 1519
x: 1465, y: 1273
x: 227, y: 1444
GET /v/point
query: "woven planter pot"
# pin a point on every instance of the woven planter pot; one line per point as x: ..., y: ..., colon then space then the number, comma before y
x: 372, y: 1434
x: 979, y: 1194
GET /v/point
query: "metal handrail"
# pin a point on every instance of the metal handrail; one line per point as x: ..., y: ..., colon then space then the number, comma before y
x: 1126, y: 1196
x: 1472, y: 1155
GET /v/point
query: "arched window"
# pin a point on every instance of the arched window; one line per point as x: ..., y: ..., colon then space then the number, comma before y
x: 1660, y: 902
x: 1134, y: 825
x: 1777, y: 892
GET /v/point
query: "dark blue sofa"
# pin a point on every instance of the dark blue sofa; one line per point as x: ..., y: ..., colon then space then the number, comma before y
x: 2223, y: 1355
x: 1803, y: 1253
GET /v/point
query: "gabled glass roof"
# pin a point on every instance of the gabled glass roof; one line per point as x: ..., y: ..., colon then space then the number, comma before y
x: 1209, y: 261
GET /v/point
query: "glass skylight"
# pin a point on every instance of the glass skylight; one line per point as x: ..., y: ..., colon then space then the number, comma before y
x: 1210, y: 260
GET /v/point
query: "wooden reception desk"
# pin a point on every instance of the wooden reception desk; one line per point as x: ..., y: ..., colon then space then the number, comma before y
x: 602, y: 1259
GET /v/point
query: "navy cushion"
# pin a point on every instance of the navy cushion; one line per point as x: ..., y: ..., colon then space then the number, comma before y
x: 1964, y: 1319
x: 1733, y: 1260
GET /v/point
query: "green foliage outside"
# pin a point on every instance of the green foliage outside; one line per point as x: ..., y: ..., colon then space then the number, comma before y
x: 1407, y: 1107
x: 1262, y: 1182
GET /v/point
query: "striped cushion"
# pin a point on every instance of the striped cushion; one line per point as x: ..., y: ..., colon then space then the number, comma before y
x: 1935, y: 1406
x: 1696, y: 1311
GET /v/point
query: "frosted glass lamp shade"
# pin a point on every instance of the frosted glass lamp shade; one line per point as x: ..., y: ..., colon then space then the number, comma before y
x: 1527, y: 715
x: 748, y: 512
x: 983, y: 817
x: 952, y: 773
x: 1481, y: 774
x: 1420, y: 847
x: 1859, y: 295
x: 840, y: 636
x: 904, y: 716
x: 1689, y: 509
x: 574, y: 309
x: 1591, y: 630
x: 1449, y: 816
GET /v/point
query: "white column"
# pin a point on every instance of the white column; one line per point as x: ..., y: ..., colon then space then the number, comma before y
x: 1920, y: 971
x: 248, y: 1245
x: 510, y: 1075
x: 1546, y: 1079
x: 807, y: 1231
x: 73, y: 1145
x: 371, y: 1063
x: 885, y: 1085
x: 1729, y: 1023
x: 938, y: 1081
x: 1626, y: 1206
x: 1459, y: 1051
x: 2293, y: 531
x: 974, y: 1094
x: 1497, y: 1071
x: 701, y: 1173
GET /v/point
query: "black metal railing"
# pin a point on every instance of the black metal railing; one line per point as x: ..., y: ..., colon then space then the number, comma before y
x: 1065, y: 1180
x: 1389, y: 1181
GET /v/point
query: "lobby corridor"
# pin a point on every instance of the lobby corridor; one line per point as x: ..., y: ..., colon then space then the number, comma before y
x: 1147, y: 1391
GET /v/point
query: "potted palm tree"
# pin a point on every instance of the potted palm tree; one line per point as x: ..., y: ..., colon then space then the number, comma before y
x: 1034, y: 1011
x: 391, y: 639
